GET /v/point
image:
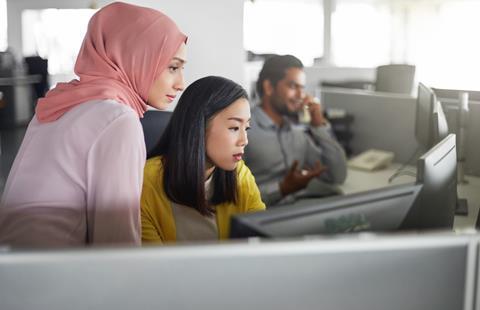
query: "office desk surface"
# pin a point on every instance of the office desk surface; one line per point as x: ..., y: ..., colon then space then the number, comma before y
x: 358, y: 181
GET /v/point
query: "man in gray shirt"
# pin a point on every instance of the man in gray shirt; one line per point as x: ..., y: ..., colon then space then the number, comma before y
x: 289, y: 161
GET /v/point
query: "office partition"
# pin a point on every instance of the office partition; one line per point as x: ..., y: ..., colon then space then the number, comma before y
x: 427, y: 271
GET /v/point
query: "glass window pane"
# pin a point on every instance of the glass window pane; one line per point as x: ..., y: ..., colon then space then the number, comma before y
x: 443, y: 44
x: 56, y: 35
x: 284, y: 27
x: 361, y: 32
x: 3, y: 25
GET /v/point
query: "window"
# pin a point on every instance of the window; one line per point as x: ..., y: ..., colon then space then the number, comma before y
x: 284, y: 27
x: 3, y: 25
x: 56, y: 35
x: 443, y: 45
x: 438, y: 37
x: 361, y: 32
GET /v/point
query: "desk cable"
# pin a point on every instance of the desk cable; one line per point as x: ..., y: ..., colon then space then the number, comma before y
x: 402, y: 170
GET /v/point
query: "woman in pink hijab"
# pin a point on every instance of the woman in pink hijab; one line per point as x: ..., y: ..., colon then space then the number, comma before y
x: 77, y: 177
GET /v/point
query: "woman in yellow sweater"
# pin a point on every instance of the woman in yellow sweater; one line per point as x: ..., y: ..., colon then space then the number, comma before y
x: 195, y: 179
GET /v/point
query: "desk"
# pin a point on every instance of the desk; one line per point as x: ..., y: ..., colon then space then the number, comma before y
x: 359, y: 181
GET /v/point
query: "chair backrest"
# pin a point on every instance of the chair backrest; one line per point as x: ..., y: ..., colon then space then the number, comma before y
x: 38, y: 65
x: 395, y: 78
x: 154, y: 123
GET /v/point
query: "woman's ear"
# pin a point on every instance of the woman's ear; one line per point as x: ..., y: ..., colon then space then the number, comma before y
x: 267, y: 87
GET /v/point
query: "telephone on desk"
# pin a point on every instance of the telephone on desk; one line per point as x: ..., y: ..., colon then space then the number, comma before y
x: 371, y: 160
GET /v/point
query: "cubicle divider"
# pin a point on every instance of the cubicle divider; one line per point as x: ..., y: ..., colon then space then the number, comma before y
x: 387, y: 121
x: 316, y: 75
x: 476, y: 274
x: 472, y: 148
x: 383, y: 121
x: 366, y: 271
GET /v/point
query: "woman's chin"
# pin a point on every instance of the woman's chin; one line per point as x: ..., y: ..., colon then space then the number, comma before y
x: 160, y: 105
x: 226, y: 165
x: 229, y: 167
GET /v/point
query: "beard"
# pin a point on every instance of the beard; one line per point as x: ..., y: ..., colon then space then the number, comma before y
x: 281, y: 108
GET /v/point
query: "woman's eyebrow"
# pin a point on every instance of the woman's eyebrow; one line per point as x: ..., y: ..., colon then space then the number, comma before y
x: 183, y: 61
x: 239, y: 119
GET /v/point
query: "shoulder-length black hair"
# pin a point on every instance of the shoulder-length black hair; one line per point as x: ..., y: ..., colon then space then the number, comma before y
x: 183, y: 145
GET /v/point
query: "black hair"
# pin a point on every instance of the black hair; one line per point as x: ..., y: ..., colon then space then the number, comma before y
x: 183, y: 145
x: 275, y: 68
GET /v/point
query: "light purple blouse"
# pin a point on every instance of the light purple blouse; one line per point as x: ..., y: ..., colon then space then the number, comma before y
x: 77, y: 180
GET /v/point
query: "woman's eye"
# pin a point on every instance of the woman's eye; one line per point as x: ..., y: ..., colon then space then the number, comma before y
x: 233, y: 128
x: 173, y: 68
x: 248, y: 128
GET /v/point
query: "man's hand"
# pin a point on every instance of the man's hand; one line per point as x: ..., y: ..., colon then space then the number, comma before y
x: 296, y: 180
x: 316, y: 111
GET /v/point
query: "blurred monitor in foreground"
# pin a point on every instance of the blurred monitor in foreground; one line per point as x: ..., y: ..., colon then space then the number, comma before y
x: 415, y: 272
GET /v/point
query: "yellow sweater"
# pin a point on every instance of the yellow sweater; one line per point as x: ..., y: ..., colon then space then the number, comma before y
x: 158, y: 223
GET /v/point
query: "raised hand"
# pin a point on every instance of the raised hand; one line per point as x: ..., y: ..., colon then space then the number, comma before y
x: 296, y: 179
x: 316, y: 111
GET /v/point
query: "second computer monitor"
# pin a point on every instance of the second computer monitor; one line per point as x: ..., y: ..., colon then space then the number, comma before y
x: 430, y: 123
x: 437, y: 171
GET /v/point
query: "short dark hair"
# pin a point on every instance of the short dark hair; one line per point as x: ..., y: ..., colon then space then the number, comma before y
x: 183, y: 145
x: 274, y: 69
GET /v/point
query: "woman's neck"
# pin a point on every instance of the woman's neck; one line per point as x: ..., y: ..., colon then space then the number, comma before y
x: 209, y: 170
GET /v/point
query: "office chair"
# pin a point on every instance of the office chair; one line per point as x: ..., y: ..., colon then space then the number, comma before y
x: 395, y: 78
x: 38, y: 65
x: 154, y: 123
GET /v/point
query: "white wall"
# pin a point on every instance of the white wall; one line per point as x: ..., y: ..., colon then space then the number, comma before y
x: 215, y: 30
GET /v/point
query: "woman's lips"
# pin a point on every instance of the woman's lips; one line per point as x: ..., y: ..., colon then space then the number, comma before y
x: 238, y: 156
x: 170, y: 98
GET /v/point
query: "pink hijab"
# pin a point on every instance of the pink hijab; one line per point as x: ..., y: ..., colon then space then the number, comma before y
x: 124, y: 50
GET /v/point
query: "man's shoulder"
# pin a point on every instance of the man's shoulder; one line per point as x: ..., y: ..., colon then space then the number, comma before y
x: 260, y: 118
x: 257, y: 112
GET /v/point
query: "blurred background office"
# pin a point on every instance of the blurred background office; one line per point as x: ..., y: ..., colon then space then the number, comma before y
x: 344, y: 43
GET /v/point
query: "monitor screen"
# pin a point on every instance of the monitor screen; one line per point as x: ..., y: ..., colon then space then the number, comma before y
x: 431, y: 123
x: 437, y: 171
x: 377, y: 210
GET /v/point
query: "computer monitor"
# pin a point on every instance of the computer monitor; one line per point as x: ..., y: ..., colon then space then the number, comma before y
x: 404, y: 207
x: 377, y: 210
x: 430, y: 123
x: 437, y: 171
